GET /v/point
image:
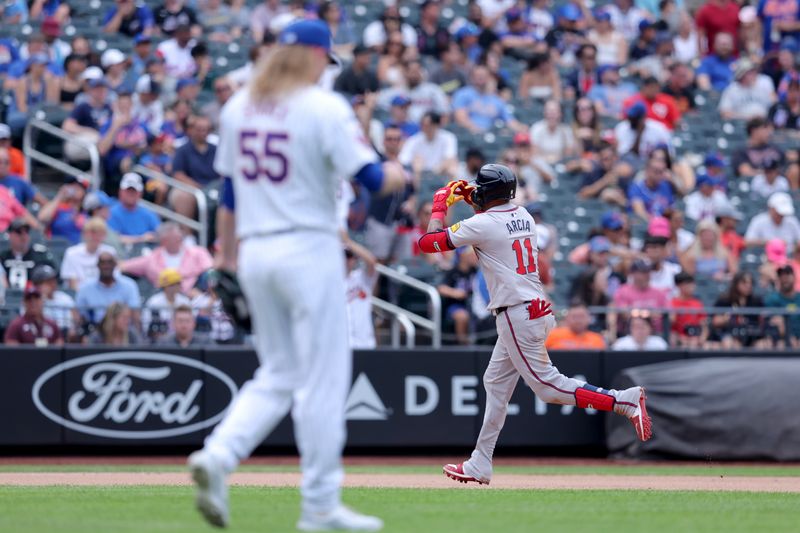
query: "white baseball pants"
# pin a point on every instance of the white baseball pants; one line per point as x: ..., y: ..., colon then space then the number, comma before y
x: 294, y: 284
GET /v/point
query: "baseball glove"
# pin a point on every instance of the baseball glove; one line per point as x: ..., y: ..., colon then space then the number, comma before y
x: 226, y: 286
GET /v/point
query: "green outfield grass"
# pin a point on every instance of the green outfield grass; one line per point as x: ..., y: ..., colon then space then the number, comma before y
x: 169, y: 509
x: 701, y: 469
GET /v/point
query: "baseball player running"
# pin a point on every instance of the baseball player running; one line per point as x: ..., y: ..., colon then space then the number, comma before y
x: 283, y: 142
x: 504, y: 237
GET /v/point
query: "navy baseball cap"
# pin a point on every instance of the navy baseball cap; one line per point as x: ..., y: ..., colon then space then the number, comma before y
x: 611, y: 220
x: 704, y: 179
x: 714, y: 160
x: 313, y: 33
x: 142, y: 38
x: 637, y: 110
x: 185, y: 82
x: 400, y: 100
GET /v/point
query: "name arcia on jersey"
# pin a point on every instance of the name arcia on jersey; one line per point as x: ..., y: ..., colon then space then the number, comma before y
x: 515, y: 226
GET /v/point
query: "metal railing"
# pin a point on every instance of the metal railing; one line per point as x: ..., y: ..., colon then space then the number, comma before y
x: 403, y: 318
x: 434, y: 324
x: 32, y: 154
x: 200, y: 225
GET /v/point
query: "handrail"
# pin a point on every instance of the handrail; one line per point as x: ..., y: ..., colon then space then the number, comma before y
x: 31, y: 153
x: 695, y: 311
x: 406, y: 320
x: 435, y: 323
x: 200, y: 225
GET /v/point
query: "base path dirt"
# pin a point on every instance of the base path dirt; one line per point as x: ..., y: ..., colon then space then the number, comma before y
x: 429, y: 481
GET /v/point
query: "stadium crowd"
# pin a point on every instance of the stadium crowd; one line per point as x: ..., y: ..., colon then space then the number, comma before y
x: 655, y: 145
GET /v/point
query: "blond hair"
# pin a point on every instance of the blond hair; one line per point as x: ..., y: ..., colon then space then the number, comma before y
x: 283, y: 70
x: 95, y: 224
x: 720, y: 252
x: 108, y: 324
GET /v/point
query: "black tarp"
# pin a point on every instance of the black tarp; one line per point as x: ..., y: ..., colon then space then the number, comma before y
x: 715, y: 409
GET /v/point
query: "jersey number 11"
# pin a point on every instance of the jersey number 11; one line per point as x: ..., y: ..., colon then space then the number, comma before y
x: 521, y: 268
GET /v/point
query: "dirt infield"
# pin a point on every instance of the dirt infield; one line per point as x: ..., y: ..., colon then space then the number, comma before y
x: 430, y: 481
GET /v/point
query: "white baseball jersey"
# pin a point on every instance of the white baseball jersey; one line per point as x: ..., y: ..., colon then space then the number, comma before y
x: 288, y: 154
x: 359, y: 309
x: 504, y: 237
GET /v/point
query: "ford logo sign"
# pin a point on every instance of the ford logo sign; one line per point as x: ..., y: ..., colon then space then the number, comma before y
x: 131, y: 389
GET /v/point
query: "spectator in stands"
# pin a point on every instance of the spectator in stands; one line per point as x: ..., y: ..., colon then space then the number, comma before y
x: 706, y: 200
x: 638, y: 135
x: 262, y: 16
x: 33, y: 327
x: 640, y: 338
x: 727, y: 219
x: 158, y: 312
x: 645, y: 42
x: 159, y: 159
x: 219, y: 22
x: 21, y: 189
x: 129, y: 18
x: 364, y: 108
x: 11, y: 209
x: 142, y: 52
x: 424, y: 96
x: 670, y: 225
x: 779, y: 221
x: 715, y: 17
x: 358, y: 77
x: 122, y: 139
x: 708, y: 257
x: 98, y: 204
x: 172, y: 253
x: 115, y: 66
x: 477, y: 107
x: 612, y: 49
x: 687, y: 47
x: 586, y: 126
x: 554, y: 139
x: 575, y: 334
x: 785, y: 113
x: 21, y: 257
x: 606, y: 177
x: 222, y: 92
x: 360, y: 284
x: 456, y: 288
x: 533, y: 171
x: 79, y: 264
x: 96, y: 295
x: 519, y: 40
x: 172, y: 15
x: 540, y: 81
x: 449, y: 75
x: 388, y: 213
x: 184, y: 325
x: 148, y: 109
x: 431, y: 150
x: 116, y: 328
x: 750, y: 95
x: 769, y: 180
x: 135, y: 223
x: 188, y: 89
x: 58, y: 305
x: 787, y: 297
x: 653, y: 195
x: 175, y: 124
x: 71, y: 84
x: 376, y: 32
x: 37, y: 87
x: 390, y: 63
x: 589, y: 288
x: 432, y: 37
x: 609, y: 94
x: 782, y: 67
x: 398, y: 116
x: 662, y: 274
x: 688, y: 330
x: 776, y: 257
x: 177, y: 51
x: 680, y: 86
x: 716, y: 70
x: 194, y: 165
x: 584, y: 77
x: 88, y: 116
x: 16, y: 160
x: 14, y: 12
x: 638, y: 292
x: 567, y: 35
x: 748, y: 161
x: 62, y: 215
x: 734, y: 330
x: 659, y: 106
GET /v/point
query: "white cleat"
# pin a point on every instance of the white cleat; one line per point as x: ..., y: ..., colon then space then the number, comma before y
x: 341, y: 519
x: 212, y: 491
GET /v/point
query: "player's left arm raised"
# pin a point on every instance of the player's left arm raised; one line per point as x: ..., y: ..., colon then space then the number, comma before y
x: 437, y: 239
